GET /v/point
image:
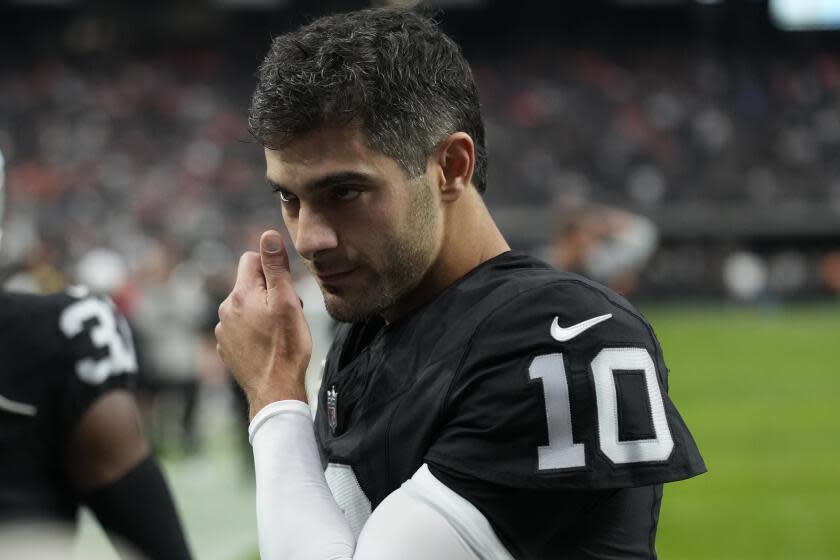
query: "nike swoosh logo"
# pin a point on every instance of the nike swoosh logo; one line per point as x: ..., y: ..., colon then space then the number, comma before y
x: 17, y: 407
x: 560, y: 334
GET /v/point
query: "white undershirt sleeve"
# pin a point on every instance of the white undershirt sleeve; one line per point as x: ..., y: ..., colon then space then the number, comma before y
x: 298, y: 518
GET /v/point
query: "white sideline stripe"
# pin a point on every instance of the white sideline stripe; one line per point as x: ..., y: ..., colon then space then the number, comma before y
x: 17, y: 407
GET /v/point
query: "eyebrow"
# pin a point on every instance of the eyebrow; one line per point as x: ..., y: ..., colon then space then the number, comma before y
x: 335, y: 179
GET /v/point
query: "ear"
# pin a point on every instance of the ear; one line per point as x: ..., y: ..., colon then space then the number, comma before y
x: 456, y: 157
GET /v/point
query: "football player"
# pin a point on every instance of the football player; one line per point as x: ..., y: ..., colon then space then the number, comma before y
x: 70, y: 430
x: 476, y: 403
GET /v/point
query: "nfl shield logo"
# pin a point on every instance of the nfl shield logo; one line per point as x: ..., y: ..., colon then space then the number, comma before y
x: 332, y: 405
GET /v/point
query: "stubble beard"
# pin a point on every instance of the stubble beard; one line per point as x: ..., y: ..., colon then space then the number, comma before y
x: 406, y: 257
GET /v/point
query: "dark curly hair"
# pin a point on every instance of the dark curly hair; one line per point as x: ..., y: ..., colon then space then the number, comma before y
x: 392, y: 72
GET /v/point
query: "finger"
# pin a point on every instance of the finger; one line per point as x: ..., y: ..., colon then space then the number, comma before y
x: 274, y: 259
x: 249, y: 273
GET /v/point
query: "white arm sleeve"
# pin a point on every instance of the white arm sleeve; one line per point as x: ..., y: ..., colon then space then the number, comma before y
x: 298, y: 519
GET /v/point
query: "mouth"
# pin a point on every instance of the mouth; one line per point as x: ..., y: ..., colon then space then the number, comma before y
x: 333, y: 278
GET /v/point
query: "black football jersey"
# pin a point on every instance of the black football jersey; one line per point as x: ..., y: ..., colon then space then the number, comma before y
x: 539, y: 396
x: 58, y: 354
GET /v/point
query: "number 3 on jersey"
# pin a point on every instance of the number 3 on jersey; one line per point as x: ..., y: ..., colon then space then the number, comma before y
x: 106, y: 331
x: 607, y: 367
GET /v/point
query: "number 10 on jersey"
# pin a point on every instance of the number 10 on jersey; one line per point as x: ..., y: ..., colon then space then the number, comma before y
x: 562, y: 452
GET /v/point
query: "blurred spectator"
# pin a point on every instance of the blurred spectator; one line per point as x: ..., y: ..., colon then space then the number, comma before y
x: 830, y: 271
x: 745, y: 275
x: 39, y: 274
x: 169, y: 314
x: 605, y: 244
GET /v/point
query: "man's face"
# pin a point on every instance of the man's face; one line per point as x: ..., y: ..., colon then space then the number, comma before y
x: 368, y: 232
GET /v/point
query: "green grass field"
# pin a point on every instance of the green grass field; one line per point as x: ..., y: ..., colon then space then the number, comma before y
x: 760, y: 390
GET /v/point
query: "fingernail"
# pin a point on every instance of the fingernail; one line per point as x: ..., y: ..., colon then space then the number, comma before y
x: 272, y: 245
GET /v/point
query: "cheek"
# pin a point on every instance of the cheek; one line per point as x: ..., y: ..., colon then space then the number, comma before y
x: 385, y: 232
x: 362, y: 230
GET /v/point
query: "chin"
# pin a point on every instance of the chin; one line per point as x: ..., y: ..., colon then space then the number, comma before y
x: 346, y: 311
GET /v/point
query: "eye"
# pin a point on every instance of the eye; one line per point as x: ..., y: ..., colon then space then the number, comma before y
x: 285, y: 196
x: 345, y: 193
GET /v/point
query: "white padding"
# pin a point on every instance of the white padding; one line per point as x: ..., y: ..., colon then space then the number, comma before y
x: 348, y: 495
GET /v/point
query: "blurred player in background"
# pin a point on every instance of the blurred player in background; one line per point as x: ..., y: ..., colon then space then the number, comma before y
x: 607, y: 244
x: 476, y: 403
x: 70, y: 430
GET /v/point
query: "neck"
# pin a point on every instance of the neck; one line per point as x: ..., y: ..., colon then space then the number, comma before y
x: 470, y: 237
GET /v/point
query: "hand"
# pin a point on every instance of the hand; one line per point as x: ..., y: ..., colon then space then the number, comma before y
x: 262, y: 335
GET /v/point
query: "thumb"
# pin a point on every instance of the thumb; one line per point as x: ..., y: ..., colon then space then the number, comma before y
x: 274, y: 258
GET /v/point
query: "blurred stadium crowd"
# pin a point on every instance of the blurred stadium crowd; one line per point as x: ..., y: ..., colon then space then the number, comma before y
x: 151, y: 158
x: 649, y: 128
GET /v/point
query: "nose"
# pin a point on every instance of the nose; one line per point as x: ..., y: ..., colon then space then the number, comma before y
x: 313, y: 233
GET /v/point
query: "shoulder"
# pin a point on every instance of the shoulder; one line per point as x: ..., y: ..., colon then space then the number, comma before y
x: 30, y: 324
x: 23, y: 306
x: 527, y: 304
x: 512, y: 300
x: 563, y: 384
x: 73, y: 335
x: 63, y: 352
x: 565, y: 312
x: 44, y: 313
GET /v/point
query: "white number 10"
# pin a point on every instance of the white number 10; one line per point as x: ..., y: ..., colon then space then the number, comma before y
x: 561, y: 451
